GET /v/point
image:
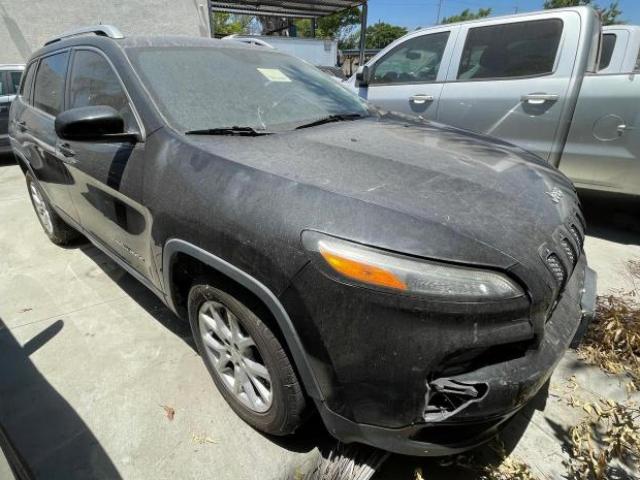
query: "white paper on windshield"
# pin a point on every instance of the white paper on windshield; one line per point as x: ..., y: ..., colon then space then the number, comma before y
x: 274, y: 75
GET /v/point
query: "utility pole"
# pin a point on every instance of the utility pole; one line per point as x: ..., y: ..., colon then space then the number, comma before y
x: 439, y: 11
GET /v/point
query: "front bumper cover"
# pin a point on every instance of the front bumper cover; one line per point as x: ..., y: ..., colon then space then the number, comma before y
x: 510, y: 386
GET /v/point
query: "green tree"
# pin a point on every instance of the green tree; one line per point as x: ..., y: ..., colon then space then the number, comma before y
x: 228, y: 24
x: 610, y: 15
x: 336, y: 26
x: 378, y: 35
x: 467, y: 14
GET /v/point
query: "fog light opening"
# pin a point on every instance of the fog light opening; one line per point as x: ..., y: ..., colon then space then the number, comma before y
x: 447, y: 397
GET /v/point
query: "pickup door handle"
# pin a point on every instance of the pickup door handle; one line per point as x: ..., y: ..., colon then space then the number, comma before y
x: 624, y: 128
x: 420, y: 99
x: 539, y: 98
x: 66, y: 150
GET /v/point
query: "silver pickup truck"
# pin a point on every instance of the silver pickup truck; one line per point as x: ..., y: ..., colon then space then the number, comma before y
x: 533, y: 80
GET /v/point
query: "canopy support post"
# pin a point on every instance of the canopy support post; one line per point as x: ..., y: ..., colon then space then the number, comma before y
x: 363, y: 32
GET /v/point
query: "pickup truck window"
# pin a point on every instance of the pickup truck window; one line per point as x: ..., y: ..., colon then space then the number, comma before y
x: 608, y: 43
x: 93, y: 82
x: 519, y: 49
x: 49, y: 88
x: 415, y: 61
x: 14, y: 80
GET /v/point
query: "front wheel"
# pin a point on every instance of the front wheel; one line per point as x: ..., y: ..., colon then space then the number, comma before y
x: 247, y: 362
x: 58, y: 231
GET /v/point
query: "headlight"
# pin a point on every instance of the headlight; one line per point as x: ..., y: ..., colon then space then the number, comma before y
x: 389, y: 271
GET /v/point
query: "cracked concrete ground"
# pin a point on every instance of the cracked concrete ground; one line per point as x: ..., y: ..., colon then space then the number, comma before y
x: 89, y: 357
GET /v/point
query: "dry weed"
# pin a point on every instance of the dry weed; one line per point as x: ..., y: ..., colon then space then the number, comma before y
x: 608, y: 435
x: 613, y: 339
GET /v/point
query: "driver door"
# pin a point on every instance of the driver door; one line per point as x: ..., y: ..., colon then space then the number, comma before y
x: 408, y: 78
x: 108, y: 174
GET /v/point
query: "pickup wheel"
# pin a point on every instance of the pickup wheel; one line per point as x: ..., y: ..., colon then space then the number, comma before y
x: 247, y: 362
x: 58, y: 231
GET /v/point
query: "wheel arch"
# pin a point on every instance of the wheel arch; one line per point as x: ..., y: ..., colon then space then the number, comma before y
x: 176, y: 247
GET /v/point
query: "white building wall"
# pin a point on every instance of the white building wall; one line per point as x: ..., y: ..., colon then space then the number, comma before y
x: 26, y: 24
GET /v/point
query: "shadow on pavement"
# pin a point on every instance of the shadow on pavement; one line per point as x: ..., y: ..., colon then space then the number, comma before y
x: 7, y: 159
x: 139, y: 293
x: 40, y: 433
x: 612, y: 217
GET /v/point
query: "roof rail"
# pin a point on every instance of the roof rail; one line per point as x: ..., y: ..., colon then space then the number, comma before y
x: 248, y: 40
x: 101, y: 30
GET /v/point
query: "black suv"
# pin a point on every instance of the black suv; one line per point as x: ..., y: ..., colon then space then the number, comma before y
x: 416, y: 283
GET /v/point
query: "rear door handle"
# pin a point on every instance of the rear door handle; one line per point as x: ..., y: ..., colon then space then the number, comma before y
x: 420, y: 99
x: 66, y: 151
x: 539, y: 98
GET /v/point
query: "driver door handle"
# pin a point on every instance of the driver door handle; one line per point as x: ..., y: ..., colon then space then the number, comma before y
x: 539, y: 98
x: 65, y: 150
x: 420, y: 98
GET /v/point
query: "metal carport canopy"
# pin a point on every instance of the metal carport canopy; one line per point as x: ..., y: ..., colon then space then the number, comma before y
x: 285, y: 8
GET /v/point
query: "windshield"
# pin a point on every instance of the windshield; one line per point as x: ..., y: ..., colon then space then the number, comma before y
x: 200, y: 88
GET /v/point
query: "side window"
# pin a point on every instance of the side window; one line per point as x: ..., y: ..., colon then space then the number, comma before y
x: 415, y: 61
x: 14, y: 80
x: 27, y: 81
x: 3, y: 84
x: 93, y: 82
x: 608, y: 44
x: 637, y: 69
x: 511, y: 50
x: 49, y: 87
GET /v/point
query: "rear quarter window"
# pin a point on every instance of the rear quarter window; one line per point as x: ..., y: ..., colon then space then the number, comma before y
x: 511, y: 50
x: 27, y: 82
x: 608, y: 44
x: 48, y: 93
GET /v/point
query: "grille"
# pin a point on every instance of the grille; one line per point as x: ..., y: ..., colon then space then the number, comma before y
x: 576, y: 235
x: 557, y: 269
x: 568, y: 249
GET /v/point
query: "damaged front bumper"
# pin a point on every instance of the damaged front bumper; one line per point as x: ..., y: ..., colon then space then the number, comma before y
x: 465, y: 410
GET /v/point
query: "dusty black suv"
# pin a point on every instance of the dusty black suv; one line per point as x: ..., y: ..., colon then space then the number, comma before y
x: 414, y: 283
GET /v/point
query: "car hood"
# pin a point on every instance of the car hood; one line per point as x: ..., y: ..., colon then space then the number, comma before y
x: 489, y: 192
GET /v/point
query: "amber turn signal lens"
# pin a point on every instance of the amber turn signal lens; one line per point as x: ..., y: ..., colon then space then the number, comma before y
x: 362, y: 272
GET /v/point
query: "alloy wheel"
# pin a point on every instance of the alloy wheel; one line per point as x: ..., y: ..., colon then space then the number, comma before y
x: 235, y: 357
x: 41, y: 208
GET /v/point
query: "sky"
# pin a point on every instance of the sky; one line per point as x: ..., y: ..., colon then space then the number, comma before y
x: 423, y: 13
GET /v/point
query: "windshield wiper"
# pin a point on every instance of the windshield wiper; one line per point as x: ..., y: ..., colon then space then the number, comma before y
x: 341, y: 117
x: 241, y: 131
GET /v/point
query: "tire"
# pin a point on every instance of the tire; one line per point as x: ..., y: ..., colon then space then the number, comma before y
x: 284, y: 413
x: 58, y: 231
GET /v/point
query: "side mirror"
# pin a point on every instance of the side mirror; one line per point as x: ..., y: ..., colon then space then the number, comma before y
x: 411, y: 55
x: 91, y: 123
x: 363, y: 76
